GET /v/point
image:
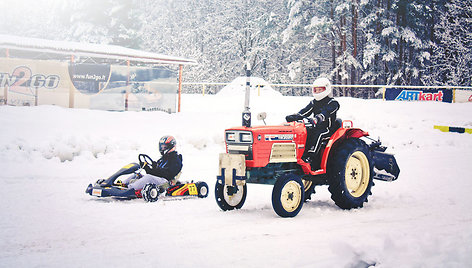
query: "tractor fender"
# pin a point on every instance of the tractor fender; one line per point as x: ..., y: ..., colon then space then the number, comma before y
x: 338, y: 136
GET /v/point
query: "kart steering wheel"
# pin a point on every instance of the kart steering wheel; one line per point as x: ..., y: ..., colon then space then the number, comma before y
x: 144, y: 160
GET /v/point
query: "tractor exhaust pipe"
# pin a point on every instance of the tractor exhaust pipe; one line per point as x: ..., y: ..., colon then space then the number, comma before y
x: 247, y: 112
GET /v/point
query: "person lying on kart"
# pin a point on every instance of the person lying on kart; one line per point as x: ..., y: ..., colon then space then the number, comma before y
x: 324, y: 108
x: 162, y: 171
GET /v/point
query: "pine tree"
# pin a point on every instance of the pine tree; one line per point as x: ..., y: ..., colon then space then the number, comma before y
x: 452, y: 54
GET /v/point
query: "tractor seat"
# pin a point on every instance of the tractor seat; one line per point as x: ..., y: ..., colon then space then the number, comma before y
x: 336, y: 125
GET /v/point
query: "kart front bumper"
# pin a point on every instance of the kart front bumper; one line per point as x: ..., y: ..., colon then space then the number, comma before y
x: 110, y: 191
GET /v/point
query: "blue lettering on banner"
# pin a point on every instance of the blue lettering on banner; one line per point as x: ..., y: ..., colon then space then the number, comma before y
x: 417, y: 95
x: 440, y: 95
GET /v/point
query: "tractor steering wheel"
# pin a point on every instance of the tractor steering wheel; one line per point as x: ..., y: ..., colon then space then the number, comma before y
x: 144, y: 160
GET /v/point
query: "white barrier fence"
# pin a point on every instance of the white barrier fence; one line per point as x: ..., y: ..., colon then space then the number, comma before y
x: 387, y: 92
x: 409, y: 93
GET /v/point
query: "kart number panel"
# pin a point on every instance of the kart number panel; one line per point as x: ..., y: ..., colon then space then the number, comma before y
x: 97, y: 192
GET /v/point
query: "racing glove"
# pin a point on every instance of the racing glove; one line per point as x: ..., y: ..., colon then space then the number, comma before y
x: 319, y: 118
x: 310, y: 122
x: 293, y: 117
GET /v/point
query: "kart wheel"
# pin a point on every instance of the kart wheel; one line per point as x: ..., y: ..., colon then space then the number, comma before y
x: 350, y: 174
x: 202, y: 188
x: 230, y: 197
x: 150, y: 192
x: 288, y: 195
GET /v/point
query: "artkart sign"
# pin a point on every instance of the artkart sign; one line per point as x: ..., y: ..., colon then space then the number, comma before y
x: 438, y: 95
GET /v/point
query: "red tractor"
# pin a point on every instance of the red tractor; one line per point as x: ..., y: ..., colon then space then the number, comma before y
x: 272, y: 155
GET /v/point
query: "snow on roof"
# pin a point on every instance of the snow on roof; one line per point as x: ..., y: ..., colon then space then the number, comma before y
x: 88, y: 50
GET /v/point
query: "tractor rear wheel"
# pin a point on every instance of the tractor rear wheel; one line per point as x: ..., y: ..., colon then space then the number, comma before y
x: 309, y: 189
x: 350, y: 174
x: 288, y: 196
x: 230, y: 197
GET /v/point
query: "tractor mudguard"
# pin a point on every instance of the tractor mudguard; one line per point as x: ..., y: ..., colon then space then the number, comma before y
x: 340, y: 135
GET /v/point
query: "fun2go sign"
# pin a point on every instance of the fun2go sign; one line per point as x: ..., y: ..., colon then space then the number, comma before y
x: 23, y: 81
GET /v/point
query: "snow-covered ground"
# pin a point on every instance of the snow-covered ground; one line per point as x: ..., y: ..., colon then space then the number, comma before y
x: 48, y: 155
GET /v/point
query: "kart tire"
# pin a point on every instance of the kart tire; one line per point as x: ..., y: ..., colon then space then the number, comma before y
x: 350, y: 174
x: 202, y: 188
x: 226, y: 200
x: 150, y: 192
x: 288, y: 196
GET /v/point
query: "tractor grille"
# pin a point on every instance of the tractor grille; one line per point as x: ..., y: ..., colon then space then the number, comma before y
x: 240, y: 149
x: 283, y: 152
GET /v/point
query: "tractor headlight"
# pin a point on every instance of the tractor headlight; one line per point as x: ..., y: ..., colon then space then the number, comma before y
x: 230, y: 137
x: 245, y: 137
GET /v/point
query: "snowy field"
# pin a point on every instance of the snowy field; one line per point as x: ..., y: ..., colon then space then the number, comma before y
x: 48, y: 155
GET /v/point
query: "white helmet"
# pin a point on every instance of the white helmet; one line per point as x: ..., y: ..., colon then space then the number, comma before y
x: 321, y: 88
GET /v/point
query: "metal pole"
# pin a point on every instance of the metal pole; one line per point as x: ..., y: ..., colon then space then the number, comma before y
x: 127, y: 87
x: 248, y: 86
x: 5, y: 90
x: 71, y: 87
x: 180, y: 85
x: 36, y: 96
x: 247, y: 112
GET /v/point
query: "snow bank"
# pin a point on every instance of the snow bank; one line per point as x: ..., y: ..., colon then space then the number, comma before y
x: 259, y: 87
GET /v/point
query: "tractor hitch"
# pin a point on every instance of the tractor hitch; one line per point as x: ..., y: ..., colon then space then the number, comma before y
x: 385, y: 166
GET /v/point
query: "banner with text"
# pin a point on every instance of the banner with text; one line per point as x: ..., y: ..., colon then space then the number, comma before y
x: 402, y: 94
x: 26, y: 82
x: 461, y: 95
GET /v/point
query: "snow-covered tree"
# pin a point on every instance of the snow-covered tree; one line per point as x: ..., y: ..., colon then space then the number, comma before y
x: 409, y: 42
x: 451, y: 62
x: 396, y: 46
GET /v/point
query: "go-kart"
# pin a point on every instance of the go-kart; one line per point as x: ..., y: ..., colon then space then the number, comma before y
x: 113, y: 186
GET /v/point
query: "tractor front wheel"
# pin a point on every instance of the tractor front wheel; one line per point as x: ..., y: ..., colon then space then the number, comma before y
x: 288, y: 196
x: 230, y: 197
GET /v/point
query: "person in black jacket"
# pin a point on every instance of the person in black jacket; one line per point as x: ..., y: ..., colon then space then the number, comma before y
x: 323, y: 108
x: 162, y: 171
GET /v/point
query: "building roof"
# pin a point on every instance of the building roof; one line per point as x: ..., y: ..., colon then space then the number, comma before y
x: 21, y: 46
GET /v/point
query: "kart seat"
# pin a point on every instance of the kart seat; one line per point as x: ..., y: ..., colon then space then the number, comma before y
x: 176, y: 178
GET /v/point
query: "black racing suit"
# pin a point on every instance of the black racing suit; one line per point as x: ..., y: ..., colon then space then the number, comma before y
x: 168, y: 166
x: 324, y: 112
